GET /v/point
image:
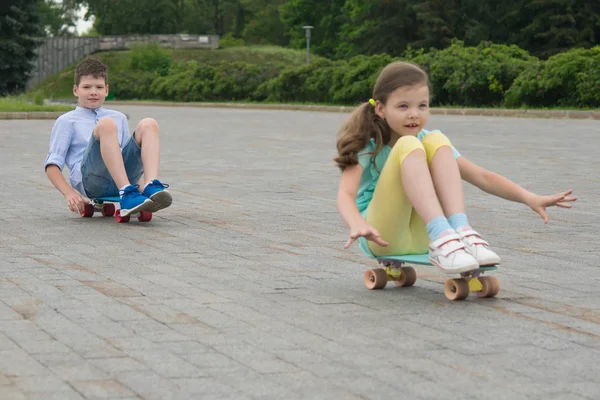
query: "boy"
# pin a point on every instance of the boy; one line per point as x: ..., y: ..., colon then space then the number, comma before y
x: 102, y: 158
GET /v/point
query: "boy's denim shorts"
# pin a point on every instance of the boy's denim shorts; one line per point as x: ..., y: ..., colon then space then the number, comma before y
x: 96, y: 179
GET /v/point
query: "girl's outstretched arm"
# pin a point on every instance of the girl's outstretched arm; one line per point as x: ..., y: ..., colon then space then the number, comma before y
x: 346, y: 204
x: 496, y: 184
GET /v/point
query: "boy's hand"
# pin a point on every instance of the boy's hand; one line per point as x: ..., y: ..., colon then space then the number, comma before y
x: 75, y: 202
x: 367, y: 231
x: 540, y: 203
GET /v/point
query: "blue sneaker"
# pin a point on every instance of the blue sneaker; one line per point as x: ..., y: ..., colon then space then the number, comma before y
x: 132, y: 201
x: 156, y: 191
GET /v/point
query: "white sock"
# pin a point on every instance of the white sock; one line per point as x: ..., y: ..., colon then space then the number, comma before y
x: 122, y: 190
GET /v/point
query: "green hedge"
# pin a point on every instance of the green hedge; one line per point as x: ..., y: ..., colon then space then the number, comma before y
x: 473, y: 76
x: 482, y: 76
x: 570, y: 79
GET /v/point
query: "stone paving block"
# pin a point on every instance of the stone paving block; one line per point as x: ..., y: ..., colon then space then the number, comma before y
x: 78, y: 371
x: 115, y: 365
x: 184, y: 347
x: 58, y: 359
x: 149, y: 385
x: 212, y: 360
x: 256, y: 359
x: 203, y: 386
x: 101, y: 389
x: 40, y: 384
x: 17, y: 362
x: 131, y: 343
x: 13, y: 393
x: 6, y: 343
x: 61, y: 395
x: 165, y: 363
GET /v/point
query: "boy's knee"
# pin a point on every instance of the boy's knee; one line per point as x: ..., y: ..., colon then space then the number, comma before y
x: 147, y: 124
x: 105, y: 126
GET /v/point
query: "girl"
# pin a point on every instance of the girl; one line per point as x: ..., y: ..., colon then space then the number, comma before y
x: 403, y: 183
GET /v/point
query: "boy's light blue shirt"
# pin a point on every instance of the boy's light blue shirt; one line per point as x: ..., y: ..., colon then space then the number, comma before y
x: 70, y: 136
x: 370, y: 176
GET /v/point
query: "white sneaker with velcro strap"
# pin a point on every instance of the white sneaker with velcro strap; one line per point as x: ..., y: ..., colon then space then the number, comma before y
x: 449, y: 254
x: 478, y: 248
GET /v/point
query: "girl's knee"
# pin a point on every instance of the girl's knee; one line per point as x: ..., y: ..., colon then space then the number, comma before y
x: 405, y: 146
x: 433, y: 142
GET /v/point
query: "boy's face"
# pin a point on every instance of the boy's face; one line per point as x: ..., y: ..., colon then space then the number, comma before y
x: 91, y: 92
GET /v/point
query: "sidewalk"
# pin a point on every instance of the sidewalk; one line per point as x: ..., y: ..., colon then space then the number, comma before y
x: 242, y: 289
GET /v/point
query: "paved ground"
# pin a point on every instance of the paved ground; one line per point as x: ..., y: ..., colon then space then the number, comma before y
x: 242, y: 289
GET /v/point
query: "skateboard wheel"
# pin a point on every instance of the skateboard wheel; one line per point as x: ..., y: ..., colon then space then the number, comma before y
x: 375, y: 278
x: 408, y: 278
x: 456, y: 289
x: 491, y: 286
x: 120, y: 219
x: 88, y: 211
x: 108, y: 210
x: 145, y: 216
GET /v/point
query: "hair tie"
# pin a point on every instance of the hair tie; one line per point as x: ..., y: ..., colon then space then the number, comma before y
x: 372, y: 102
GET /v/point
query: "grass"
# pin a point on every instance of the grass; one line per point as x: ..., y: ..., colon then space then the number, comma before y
x: 23, y: 104
x: 60, y: 85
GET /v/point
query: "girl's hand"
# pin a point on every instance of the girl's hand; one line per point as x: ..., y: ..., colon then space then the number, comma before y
x: 540, y: 203
x: 367, y: 231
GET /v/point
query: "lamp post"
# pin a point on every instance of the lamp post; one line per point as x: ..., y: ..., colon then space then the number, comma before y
x: 307, y: 28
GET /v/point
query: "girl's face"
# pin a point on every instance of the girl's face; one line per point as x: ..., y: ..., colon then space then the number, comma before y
x: 406, y: 110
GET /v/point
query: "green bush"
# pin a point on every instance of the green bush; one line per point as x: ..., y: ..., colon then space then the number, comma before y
x: 151, y: 58
x: 226, y: 81
x: 238, y: 80
x: 128, y: 84
x: 473, y: 76
x: 307, y: 83
x: 178, y: 85
x: 353, y: 82
x: 230, y: 41
x: 570, y: 79
x: 325, y: 81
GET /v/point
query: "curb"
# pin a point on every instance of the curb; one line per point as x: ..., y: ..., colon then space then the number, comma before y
x: 31, y: 115
x: 488, y: 112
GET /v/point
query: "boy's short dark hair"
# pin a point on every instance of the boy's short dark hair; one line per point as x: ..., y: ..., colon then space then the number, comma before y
x: 91, y: 67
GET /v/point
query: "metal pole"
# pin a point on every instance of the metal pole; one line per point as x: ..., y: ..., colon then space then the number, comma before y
x: 307, y: 28
x: 308, y: 49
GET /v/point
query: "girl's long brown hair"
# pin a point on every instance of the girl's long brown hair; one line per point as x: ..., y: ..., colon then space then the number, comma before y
x: 364, y: 124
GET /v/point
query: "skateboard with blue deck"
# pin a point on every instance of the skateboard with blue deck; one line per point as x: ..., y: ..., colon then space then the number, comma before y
x: 106, y: 206
x: 454, y: 288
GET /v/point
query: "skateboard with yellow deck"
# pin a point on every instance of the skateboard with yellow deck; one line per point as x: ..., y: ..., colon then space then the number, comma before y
x: 395, y: 270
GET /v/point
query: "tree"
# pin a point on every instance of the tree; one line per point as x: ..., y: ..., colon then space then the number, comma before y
x: 559, y: 25
x: 441, y: 21
x: 119, y: 17
x: 378, y: 26
x: 19, y: 25
x: 326, y: 18
x: 57, y: 19
x: 264, y: 23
